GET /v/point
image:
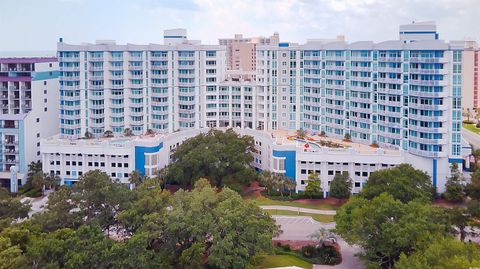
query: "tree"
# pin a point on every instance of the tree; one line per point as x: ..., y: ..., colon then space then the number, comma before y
x: 473, y: 188
x: 88, y: 135
x: 100, y: 199
x: 455, y: 186
x: 323, y: 235
x: 11, y: 256
x: 38, y: 181
x: 34, y: 168
x: 149, y: 202
x: 108, y: 133
x: 266, y: 178
x: 219, y: 226
x: 135, y: 178
x: 403, y: 182
x: 290, y: 185
x: 127, y: 132
x: 11, y: 209
x: 150, y: 132
x: 347, y: 137
x: 222, y: 157
x: 313, y: 188
x: 444, y: 253
x: 301, y: 133
x: 61, y: 212
x: 341, y: 186
x: 385, y: 227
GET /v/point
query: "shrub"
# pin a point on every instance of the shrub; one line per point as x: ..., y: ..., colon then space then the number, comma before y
x: 467, y: 122
x: 328, y: 255
x: 477, y: 125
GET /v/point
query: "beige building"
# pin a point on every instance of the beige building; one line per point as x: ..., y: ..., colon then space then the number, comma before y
x: 241, y: 50
x: 470, y: 78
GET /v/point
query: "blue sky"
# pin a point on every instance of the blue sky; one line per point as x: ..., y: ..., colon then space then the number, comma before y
x: 37, y: 24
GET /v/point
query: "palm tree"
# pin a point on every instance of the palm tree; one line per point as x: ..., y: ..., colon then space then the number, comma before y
x: 290, y: 185
x: 279, y: 182
x: 39, y: 181
x: 108, y: 133
x: 161, y: 177
x: 127, y: 132
x: 88, y: 135
x: 266, y: 179
x: 135, y: 178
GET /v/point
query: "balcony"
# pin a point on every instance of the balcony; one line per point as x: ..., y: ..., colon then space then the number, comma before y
x: 426, y: 129
x: 70, y: 98
x: 390, y: 80
x: 70, y: 107
x: 431, y: 141
x: 427, y: 106
x: 333, y: 106
x: 159, y: 121
x: 98, y: 106
x: 136, y: 113
x: 431, y: 154
x: 117, y: 123
x: 96, y: 97
x: 428, y: 94
x: 334, y: 67
x: 70, y: 117
x: 335, y: 86
x: 159, y: 67
x: 94, y: 124
x: 70, y: 68
x: 427, y: 118
x: 96, y: 87
x: 135, y: 67
x: 70, y: 78
x: 95, y: 68
x: 96, y: 59
x: 361, y: 59
x: 137, y: 105
x: 429, y: 60
x: 10, y: 142
x: 390, y: 59
x: 363, y: 79
x: 118, y: 86
x: 361, y: 68
x: 70, y: 87
x: 390, y: 91
x: 335, y: 77
x: 361, y: 109
x: 334, y: 58
x: 135, y: 58
x: 389, y: 69
x: 429, y: 82
x: 117, y: 96
x: 97, y: 116
x: 428, y: 71
x: 116, y: 67
x: 68, y: 59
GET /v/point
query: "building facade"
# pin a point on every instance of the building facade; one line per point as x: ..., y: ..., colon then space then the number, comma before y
x: 109, y: 87
x: 241, y: 51
x: 29, y: 111
x: 403, y: 96
x: 470, y: 77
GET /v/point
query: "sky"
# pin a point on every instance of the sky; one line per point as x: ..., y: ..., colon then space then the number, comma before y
x: 37, y: 24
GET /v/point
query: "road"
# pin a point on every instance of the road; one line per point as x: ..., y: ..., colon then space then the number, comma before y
x: 471, y: 137
x: 300, y: 228
x: 299, y: 209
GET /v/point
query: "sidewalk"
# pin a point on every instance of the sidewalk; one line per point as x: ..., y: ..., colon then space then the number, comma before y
x: 299, y: 209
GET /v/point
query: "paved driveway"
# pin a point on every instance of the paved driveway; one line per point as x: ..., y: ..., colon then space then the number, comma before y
x: 300, y: 228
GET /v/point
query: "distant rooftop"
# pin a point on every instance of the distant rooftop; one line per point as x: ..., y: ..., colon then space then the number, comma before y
x: 27, y: 60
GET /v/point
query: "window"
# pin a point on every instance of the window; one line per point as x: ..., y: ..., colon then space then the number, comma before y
x: 89, y: 163
x: 125, y: 165
x: 357, y: 184
x: 58, y: 162
x: 114, y: 164
x: 67, y: 173
x: 365, y: 174
x: 38, y: 119
x: 303, y: 172
x: 67, y: 162
x: 38, y: 135
x: 330, y: 172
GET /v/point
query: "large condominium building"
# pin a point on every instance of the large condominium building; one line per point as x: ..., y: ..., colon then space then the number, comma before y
x: 241, y: 51
x: 109, y: 87
x: 28, y: 112
x: 403, y: 96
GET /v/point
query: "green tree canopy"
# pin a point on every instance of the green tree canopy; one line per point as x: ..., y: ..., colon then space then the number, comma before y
x: 341, y: 186
x: 313, y: 187
x: 455, y: 186
x: 445, y: 253
x: 403, y: 182
x: 11, y: 208
x: 222, y: 157
x: 385, y: 227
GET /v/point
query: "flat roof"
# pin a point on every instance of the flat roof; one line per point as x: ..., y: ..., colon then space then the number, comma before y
x: 27, y: 60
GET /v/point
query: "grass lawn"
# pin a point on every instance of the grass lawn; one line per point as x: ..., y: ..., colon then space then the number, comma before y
x: 471, y: 127
x: 261, y: 200
x: 317, y: 217
x: 283, y: 261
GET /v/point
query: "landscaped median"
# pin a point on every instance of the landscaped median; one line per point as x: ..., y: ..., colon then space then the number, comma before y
x: 320, y: 204
x: 317, y: 217
x: 272, y: 261
x: 471, y: 127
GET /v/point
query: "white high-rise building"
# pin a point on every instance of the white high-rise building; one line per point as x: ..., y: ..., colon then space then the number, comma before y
x: 28, y: 112
x: 109, y: 87
x: 403, y: 96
